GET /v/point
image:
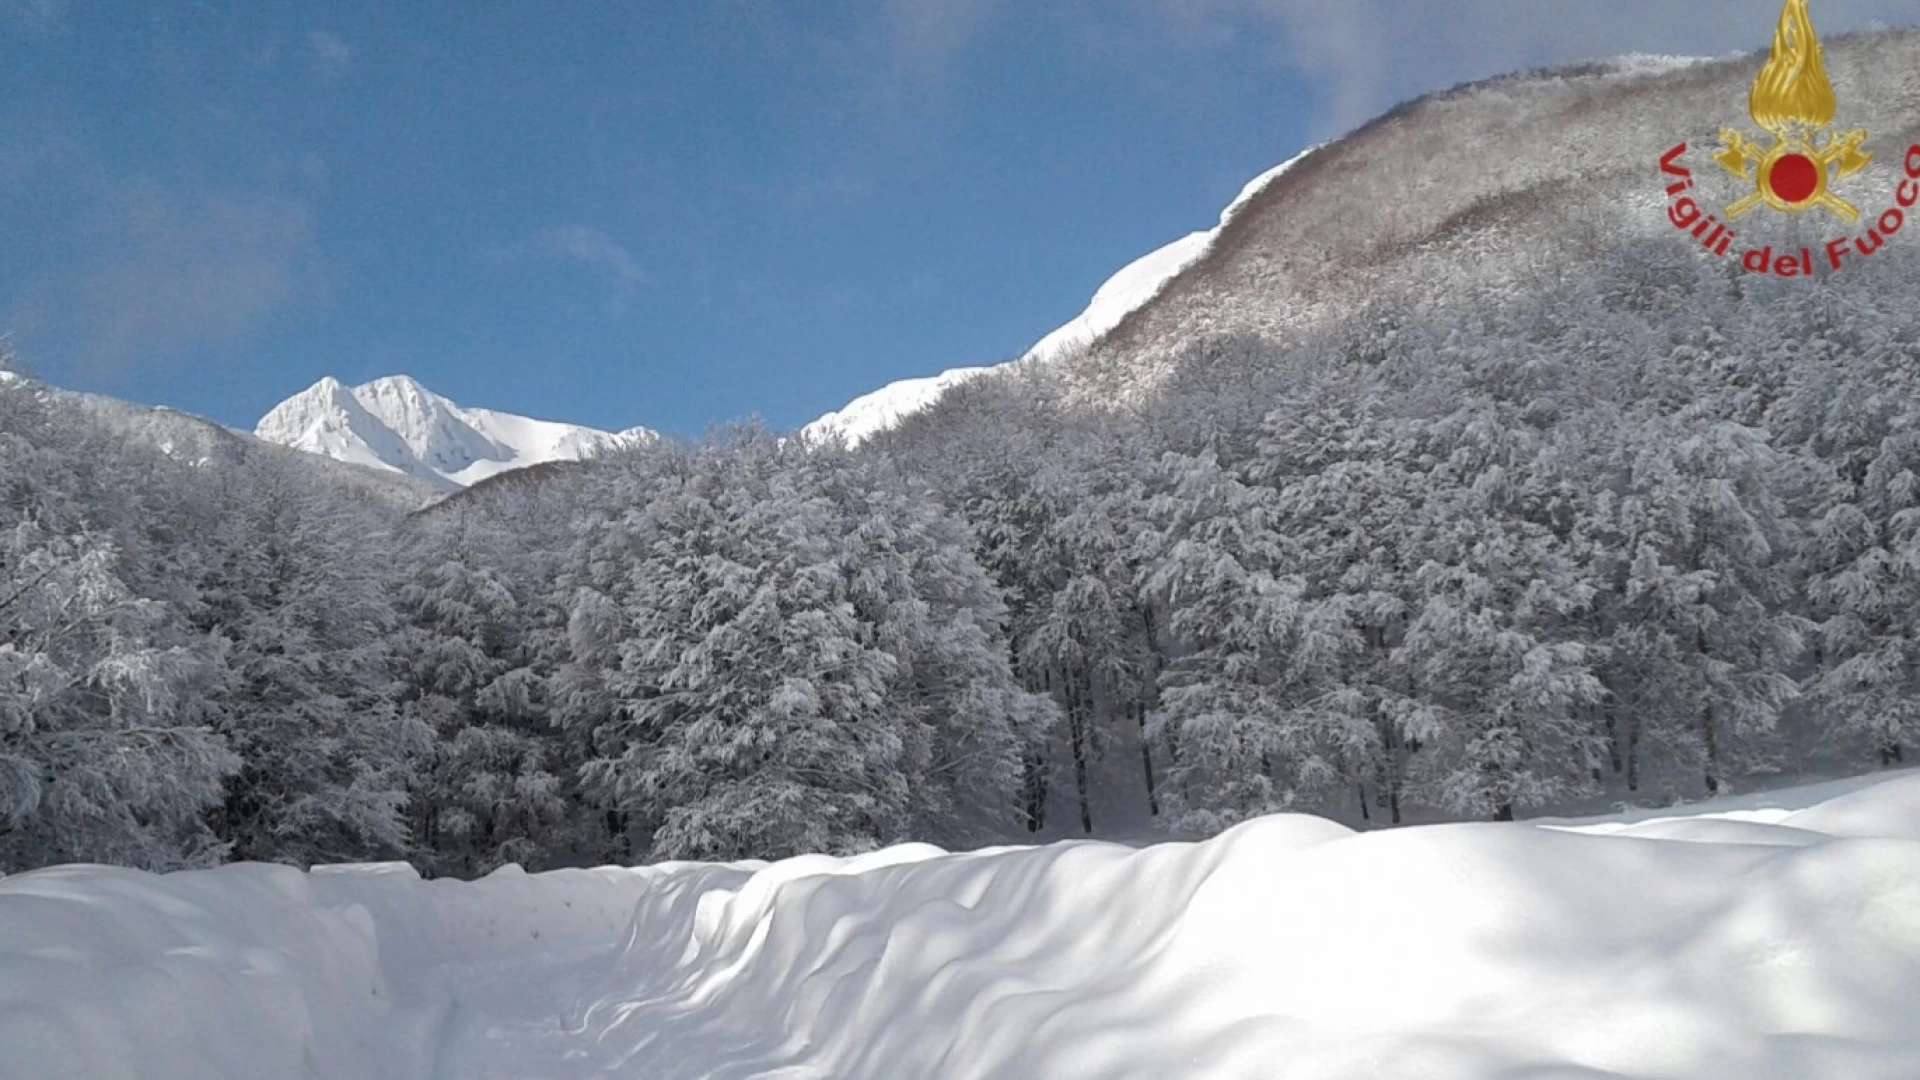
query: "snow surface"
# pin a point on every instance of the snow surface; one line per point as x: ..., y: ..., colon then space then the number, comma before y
x: 1718, y: 945
x: 1126, y: 292
x: 398, y: 425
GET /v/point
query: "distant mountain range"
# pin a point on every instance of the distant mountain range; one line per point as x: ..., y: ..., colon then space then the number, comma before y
x: 202, y: 442
x: 398, y: 425
x: 1309, y: 239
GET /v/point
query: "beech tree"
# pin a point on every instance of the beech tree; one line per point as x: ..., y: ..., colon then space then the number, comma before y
x: 773, y: 684
x: 294, y: 586
x: 105, y: 750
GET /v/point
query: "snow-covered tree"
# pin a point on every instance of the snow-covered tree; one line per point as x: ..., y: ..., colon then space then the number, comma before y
x: 1242, y: 699
x: 789, y: 668
x: 488, y: 792
x: 295, y: 583
x: 1702, y: 640
x: 1860, y: 555
x: 105, y: 752
x: 912, y: 578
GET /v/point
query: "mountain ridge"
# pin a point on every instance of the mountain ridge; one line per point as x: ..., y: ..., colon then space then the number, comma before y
x: 394, y: 423
x: 1134, y: 285
x: 1293, y: 241
x: 1411, y: 203
x: 198, y: 441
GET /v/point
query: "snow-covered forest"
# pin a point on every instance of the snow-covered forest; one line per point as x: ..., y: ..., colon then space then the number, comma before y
x: 1650, y: 530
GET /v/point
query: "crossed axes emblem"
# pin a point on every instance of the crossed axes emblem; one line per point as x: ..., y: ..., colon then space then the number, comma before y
x: 1840, y: 158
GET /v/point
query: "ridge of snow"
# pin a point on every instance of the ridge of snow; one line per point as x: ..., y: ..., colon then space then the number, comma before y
x: 1136, y: 285
x: 869, y: 414
x: 1636, y: 63
x: 396, y: 424
x: 1140, y: 281
x: 1290, y: 948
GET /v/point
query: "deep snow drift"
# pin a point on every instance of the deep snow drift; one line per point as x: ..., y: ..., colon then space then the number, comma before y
x: 1759, y: 941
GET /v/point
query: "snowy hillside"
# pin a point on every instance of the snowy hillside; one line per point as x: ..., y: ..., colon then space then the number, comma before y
x: 869, y: 414
x: 1776, y: 942
x: 1499, y: 184
x: 1410, y: 202
x: 199, y: 441
x: 1124, y: 293
x: 399, y: 425
x: 1136, y: 285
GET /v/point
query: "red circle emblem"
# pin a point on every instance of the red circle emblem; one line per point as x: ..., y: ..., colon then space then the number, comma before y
x: 1794, y: 178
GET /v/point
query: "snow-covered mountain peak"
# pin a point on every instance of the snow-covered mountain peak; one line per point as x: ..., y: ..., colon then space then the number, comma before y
x: 396, y: 423
x: 438, y: 433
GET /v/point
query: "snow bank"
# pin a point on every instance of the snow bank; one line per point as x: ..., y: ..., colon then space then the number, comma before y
x: 108, y: 974
x: 1712, y: 946
x: 1292, y: 948
x: 261, y: 972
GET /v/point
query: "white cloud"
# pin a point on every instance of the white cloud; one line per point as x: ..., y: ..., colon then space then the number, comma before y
x: 1363, y: 56
x: 923, y: 37
x: 150, y: 274
x: 593, y: 249
x: 331, y: 53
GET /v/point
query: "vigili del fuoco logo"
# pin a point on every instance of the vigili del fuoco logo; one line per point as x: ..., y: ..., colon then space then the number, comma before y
x: 1796, y: 169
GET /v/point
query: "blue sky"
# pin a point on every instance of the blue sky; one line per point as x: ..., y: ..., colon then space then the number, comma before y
x: 670, y: 212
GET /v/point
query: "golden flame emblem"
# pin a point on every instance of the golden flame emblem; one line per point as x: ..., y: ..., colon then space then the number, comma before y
x: 1794, y: 101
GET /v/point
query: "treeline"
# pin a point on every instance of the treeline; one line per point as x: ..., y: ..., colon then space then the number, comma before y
x: 735, y: 648
x: 1614, y: 521
x: 1464, y: 552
